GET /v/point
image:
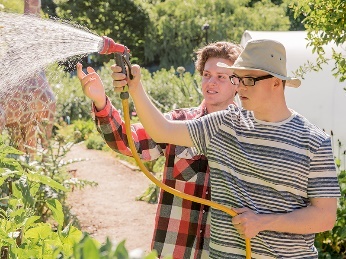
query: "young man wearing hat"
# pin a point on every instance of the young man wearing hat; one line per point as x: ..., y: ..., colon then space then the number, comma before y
x: 268, y: 162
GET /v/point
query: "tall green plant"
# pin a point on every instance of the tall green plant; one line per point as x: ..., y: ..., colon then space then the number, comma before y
x: 51, y: 162
x: 22, y: 232
x: 332, y: 244
x: 324, y: 21
x: 22, y: 235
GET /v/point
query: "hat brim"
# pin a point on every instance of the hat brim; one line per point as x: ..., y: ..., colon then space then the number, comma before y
x: 290, y: 81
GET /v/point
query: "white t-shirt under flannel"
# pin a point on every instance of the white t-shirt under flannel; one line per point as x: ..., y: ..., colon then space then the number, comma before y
x: 267, y: 167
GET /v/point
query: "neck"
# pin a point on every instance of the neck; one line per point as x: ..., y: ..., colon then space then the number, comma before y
x: 215, y: 108
x: 276, y: 114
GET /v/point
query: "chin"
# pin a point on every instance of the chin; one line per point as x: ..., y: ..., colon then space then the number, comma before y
x: 246, y: 107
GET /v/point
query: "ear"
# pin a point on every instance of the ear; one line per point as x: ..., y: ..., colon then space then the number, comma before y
x: 277, y: 82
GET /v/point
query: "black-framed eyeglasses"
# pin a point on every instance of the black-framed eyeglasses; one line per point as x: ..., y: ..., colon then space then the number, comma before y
x: 247, y: 80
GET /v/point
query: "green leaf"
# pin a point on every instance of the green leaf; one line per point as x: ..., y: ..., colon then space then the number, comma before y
x: 16, y: 191
x: 5, y: 173
x: 18, y: 215
x: 30, y: 221
x: 121, y: 251
x: 56, y: 208
x: 106, y: 249
x: 46, y: 180
x: 90, y: 250
x: 22, y: 191
x: 343, y: 233
x: 152, y: 255
x: 71, y: 234
x: 38, y: 232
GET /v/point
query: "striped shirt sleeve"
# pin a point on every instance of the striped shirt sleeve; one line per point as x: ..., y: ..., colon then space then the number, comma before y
x: 201, y: 130
x: 322, y: 176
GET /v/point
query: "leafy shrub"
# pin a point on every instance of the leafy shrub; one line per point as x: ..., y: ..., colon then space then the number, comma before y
x: 49, y: 163
x: 332, y: 244
x: 23, y: 234
x: 95, y: 141
x: 90, y: 248
x: 85, y: 128
x: 168, y: 89
x: 16, y: 6
x: 70, y: 100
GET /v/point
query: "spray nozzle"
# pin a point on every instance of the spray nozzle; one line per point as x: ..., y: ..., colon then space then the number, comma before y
x: 109, y: 46
x: 121, y: 56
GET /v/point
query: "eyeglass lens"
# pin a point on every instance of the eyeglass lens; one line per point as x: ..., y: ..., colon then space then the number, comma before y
x: 248, y: 81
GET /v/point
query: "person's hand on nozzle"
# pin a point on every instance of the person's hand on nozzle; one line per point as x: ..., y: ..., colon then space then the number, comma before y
x: 120, y: 79
x: 92, y: 86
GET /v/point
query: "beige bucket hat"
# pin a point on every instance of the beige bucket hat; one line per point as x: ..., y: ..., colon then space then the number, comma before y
x: 265, y: 55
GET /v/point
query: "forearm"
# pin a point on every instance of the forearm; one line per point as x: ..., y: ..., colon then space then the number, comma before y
x: 100, y: 104
x: 312, y: 219
x: 156, y: 125
x: 111, y: 126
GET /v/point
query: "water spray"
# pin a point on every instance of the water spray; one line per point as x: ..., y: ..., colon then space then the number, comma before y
x: 122, y: 58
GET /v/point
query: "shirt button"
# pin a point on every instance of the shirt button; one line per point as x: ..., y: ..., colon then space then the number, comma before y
x: 206, y: 192
x: 200, y: 231
x: 203, y: 211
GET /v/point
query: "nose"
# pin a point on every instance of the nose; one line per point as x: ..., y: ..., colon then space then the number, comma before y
x: 212, y: 80
x: 241, y: 86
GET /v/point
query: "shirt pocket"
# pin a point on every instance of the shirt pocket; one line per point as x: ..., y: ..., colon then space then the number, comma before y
x: 187, y: 153
x: 188, y: 163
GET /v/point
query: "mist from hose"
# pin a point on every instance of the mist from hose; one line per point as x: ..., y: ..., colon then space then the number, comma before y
x: 28, y: 44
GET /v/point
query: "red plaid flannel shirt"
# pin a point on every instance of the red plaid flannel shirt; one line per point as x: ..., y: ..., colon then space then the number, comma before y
x: 182, y: 227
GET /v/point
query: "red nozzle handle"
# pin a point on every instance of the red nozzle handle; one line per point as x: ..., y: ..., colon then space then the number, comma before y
x: 109, y: 46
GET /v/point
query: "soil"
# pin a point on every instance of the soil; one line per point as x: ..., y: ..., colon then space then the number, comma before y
x: 110, y: 209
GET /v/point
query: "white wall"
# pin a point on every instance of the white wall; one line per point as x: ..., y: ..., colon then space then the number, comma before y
x: 320, y: 98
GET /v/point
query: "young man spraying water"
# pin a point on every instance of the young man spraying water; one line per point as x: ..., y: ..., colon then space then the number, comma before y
x: 268, y: 163
x: 182, y: 227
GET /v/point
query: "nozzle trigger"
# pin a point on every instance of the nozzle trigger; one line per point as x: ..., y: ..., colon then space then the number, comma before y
x: 119, y: 61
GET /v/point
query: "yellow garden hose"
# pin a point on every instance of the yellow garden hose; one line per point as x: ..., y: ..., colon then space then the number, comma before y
x: 171, y: 190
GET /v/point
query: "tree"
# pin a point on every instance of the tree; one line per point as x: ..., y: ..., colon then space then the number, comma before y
x: 122, y: 20
x: 162, y: 34
x: 176, y: 29
x: 49, y: 7
x: 325, y: 23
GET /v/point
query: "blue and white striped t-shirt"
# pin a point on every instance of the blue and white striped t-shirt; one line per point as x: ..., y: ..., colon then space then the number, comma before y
x: 267, y: 167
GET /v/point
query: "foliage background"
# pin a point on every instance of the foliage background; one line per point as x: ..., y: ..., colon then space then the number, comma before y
x: 325, y: 23
x: 163, y: 35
